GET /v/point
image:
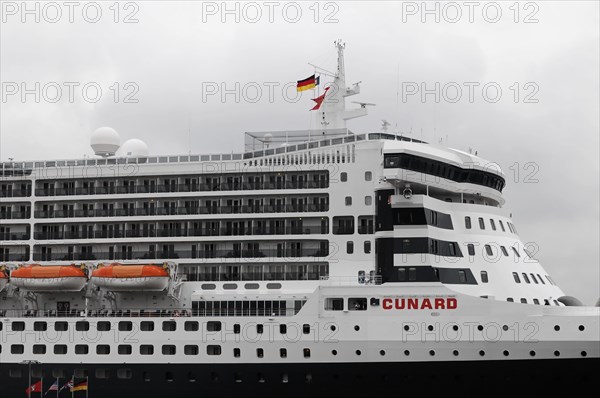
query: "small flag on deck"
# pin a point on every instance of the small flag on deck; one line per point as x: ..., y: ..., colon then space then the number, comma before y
x: 82, y: 386
x: 37, y: 387
x: 308, y: 83
x: 319, y: 100
x: 68, y: 385
x: 53, y: 387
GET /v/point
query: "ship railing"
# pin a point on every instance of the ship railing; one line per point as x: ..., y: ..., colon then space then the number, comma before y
x: 145, y: 313
x: 351, y: 280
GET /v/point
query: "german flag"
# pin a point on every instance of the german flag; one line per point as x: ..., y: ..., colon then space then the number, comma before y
x: 308, y: 83
x: 82, y: 386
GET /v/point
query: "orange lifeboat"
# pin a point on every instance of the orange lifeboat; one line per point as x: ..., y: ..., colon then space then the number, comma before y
x: 37, y: 278
x: 3, y: 279
x: 119, y: 277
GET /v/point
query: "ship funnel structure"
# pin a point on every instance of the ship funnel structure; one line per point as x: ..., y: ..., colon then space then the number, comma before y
x: 333, y: 113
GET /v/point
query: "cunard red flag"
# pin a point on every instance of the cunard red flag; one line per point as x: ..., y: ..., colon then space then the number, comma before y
x: 37, y: 387
x: 319, y: 100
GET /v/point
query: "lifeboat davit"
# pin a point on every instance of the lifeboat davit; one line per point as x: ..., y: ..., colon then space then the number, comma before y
x: 3, y: 280
x: 122, y: 278
x: 51, y: 278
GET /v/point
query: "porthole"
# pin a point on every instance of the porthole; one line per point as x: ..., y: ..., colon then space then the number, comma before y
x: 430, y: 328
x: 505, y: 353
x: 356, y: 327
x: 556, y: 353
x: 382, y: 353
x: 333, y: 352
x: 556, y: 327
x: 406, y: 352
x: 583, y: 354
x: 455, y: 328
x: 431, y: 352
x: 455, y: 353
x: 505, y: 328
x: 581, y: 328
x: 482, y: 353
x: 358, y: 352
x: 480, y: 328
x: 406, y: 327
x: 532, y: 353
x: 333, y: 328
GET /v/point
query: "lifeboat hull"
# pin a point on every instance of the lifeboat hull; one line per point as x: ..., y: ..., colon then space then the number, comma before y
x: 147, y: 284
x: 63, y: 284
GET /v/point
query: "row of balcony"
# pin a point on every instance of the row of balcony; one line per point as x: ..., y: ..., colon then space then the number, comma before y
x: 15, y: 215
x: 172, y: 233
x: 181, y: 211
x: 168, y: 188
x: 15, y: 193
x: 178, y: 254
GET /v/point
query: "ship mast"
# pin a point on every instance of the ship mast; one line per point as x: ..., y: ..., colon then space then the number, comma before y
x: 333, y: 113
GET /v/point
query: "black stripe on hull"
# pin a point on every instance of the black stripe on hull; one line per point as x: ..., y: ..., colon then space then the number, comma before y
x: 316, y: 380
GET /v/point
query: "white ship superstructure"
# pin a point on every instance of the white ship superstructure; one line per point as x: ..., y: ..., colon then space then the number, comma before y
x: 310, y: 253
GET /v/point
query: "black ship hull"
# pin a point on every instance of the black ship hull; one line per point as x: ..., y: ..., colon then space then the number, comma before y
x: 303, y: 380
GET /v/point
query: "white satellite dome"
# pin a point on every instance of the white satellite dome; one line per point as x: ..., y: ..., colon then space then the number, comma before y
x: 105, y: 141
x: 134, y: 147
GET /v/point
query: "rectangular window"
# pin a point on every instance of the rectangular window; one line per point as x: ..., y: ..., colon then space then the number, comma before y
x: 39, y: 349
x: 306, y: 328
x: 349, y: 247
x: 17, y: 349
x: 18, y: 326
x: 368, y: 200
x: 368, y: 176
x: 516, y: 252
x: 61, y: 326
x: 462, y: 276
x: 102, y: 373
x: 488, y: 250
x: 82, y: 326
x: 348, y: 200
x: 146, y: 349
x: 525, y: 277
x: 367, y: 247
x: 283, y: 353
x: 468, y: 222
x: 260, y: 329
x: 104, y: 326
x: 501, y: 225
x: 484, y: 277
x: 524, y: 300
x: 124, y: 373
x: 213, y: 349
x: 493, y: 224
x: 536, y: 301
x: 283, y: 328
x: 169, y: 326
x: 412, y: 274
x: 147, y: 326
x: 60, y: 349
x: 471, y: 249
x: 236, y: 328
x: 260, y: 352
x: 357, y: 304
x: 343, y: 176
x: 168, y: 350
x: 125, y: 326
x: 510, y: 299
x: 213, y: 326
x: 102, y: 349
x: 124, y: 349
x: 306, y: 352
x: 81, y: 349
x: 481, y: 223
x: 40, y: 326
x: 504, y: 251
x: 334, y: 304
x: 452, y: 249
x: 237, y: 353
x: 516, y: 277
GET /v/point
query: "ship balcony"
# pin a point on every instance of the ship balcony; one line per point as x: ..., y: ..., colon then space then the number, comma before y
x: 14, y: 215
x: 181, y: 211
x: 181, y: 254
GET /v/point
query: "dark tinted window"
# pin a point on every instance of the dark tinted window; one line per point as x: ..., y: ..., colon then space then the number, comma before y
x: 471, y: 249
x: 468, y: 222
x: 484, y: 277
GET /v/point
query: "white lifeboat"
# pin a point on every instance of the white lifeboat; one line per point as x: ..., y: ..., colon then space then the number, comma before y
x: 121, y: 278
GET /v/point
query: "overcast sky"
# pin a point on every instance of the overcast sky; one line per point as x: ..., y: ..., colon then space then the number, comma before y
x: 543, y: 129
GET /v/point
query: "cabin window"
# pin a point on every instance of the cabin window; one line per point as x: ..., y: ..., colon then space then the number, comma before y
x: 468, y: 222
x: 213, y: 349
x: 213, y: 326
x: 124, y: 349
x: 488, y: 250
x: 471, y: 249
x: 18, y: 326
x: 348, y: 200
x: 516, y: 252
x: 39, y: 349
x: 146, y: 349
x: 334, y: 304
x: 412, y: 274
x: 501, y: 225
x: 525, y: 278
x: 82, y: 326
x: 368, y: 200
x: 81, y: 349
x: 124, y: 373
x: 484, y: 277
x: 524, y: 300
x: 504, y: 251
x: 283, y: 352
x: 349, y: 247
x: 343, y: 176
x: 510, y: 300
x: 306, y: 328
x: 169, y: 326
x: 367, y: 247
x: 368, y: 176
x: 168, y: 350
x: 282, y: 328
x: 260, y: 329
x: 462, y: 276
x: 60, y: 349
x: 536, y: 301
x: 125, y: 326
x: 452, y: 249
x: 190, y: 350
x: 493, y: 224
x: 481, y: 223
x: 516, y: 277
x: 260, y: 352
x: 17, y: 349
x: 534, y: 279
x: 306, y: 352
x: 357, y: 304
x: 237, y: 353
x: 104, y: 326
x: 102, y: 349
x: 541, y: 279
x: 39, y: 326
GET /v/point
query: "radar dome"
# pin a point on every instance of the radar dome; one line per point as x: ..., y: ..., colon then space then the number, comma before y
x: 105, y: 141
x: 134, y: 147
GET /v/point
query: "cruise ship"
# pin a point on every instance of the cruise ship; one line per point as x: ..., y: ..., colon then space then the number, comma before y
x: 315, y: 262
